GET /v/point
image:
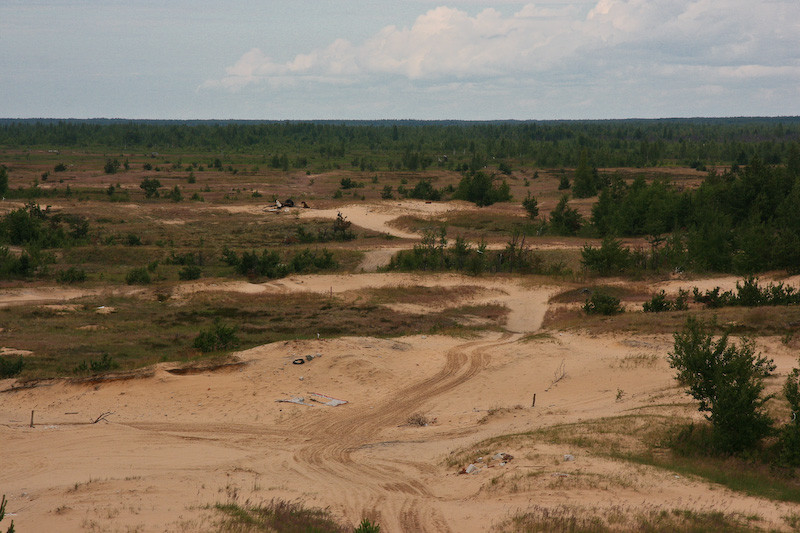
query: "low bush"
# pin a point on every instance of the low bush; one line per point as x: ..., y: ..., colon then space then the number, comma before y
x: 71, y: 275
x: 219, y: 337
x: 602, y: 303
x: 270, y: 264
x: 660, y: 303
x: 189, y: 272
x: 748, y: 294
x: 10, y: 368
x: 104, y: 364
x: 138, y: 276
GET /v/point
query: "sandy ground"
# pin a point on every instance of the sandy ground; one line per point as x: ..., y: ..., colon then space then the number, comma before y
x: 174, y: 444
x: 171, y: 445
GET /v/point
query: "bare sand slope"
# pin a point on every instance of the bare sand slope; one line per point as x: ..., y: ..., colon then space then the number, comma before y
x: 178, y: 443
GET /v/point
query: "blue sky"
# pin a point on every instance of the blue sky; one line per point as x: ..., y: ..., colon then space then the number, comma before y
x: 417, y: 59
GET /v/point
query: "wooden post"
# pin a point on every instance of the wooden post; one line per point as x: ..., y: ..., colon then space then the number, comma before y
x: 31, y: 418
x: 533, y: 403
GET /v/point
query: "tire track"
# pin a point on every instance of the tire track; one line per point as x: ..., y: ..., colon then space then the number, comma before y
x: 387, y: 489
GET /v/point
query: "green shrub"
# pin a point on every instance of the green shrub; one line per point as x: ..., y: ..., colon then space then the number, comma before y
x: 175, y: 194
x: 10, y: 368
x: 189, y: 272
x: 219, y: 337
x: 60, y: 167
x: 565, y: 220
x: 789, y: 439
x: 728, y: 381
x: 367, y: 527
x: 480, y: 189
x: 611, y: 258
x: 71, y: 275
x: 150, y: 187
x: 138, y: 276
x: 104, y: 364
x: 602, y: 303
x: 111, y: 166
x: 660, y: 303
x: 531, y: 205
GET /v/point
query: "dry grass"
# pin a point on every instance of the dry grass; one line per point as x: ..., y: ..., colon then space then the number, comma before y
x: 142, y: 330
x: 760, y: 321
x: 618, y: 519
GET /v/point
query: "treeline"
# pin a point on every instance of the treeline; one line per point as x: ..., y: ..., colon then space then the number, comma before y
x: 416, y: 145
x: 742, y: 220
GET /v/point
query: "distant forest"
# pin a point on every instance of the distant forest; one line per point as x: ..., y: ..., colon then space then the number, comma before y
x: 418, y: 145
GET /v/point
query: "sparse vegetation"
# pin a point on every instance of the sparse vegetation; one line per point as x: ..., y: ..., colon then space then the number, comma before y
x: 279, y: 516
x: 219, y: 337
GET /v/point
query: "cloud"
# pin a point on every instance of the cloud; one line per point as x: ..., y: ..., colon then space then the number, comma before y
x: 572, y: 42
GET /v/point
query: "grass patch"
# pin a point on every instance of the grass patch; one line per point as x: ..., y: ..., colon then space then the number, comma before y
x: 278, y: 516
x: 753, y: 322
x: 647, y: 439
x: 567, y: 519
x: 136, y: 331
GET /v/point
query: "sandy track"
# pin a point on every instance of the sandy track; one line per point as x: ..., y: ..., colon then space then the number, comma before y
x: 328, y: 455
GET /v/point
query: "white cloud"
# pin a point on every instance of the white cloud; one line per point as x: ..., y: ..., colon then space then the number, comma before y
x: 575, y: 43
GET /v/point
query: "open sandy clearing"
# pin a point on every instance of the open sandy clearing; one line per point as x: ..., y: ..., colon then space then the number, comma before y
x: 177, y: 443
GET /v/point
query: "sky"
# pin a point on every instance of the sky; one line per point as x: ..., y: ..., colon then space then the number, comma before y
x: 393, y: 59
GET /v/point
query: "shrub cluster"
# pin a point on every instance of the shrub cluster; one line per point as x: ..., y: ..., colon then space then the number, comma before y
x: 104, y: 364
x: 219, y: 337
x: 660, y: 303
x: 433, y: 254
x: 71, y: 275
x: 34, y: 227
x: 138, y: 276
x: 480, y: 188
x: 270, y: 263
x: 748, y: 294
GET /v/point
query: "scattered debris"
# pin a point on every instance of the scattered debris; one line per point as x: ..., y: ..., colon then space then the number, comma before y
x: 471, y: 469
x: 330, y: 401
x: 299, y: 400
x: 299, y: 361
x: 569, y: 457
x: 559, y: 474
x: 96, y: 420
x: 501, y: 456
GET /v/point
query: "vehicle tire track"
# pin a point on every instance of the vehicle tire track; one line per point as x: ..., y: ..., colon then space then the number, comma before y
x: 374, y: 488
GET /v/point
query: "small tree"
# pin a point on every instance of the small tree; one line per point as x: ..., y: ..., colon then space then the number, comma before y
x: 531, y: 205
x: 565, y: 220
x: 111, y: 166
x: 150, y: 187
x: 790, y: 433
x: 3, y: 179
x: 728, y: 380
